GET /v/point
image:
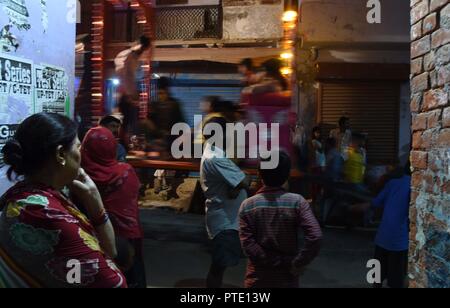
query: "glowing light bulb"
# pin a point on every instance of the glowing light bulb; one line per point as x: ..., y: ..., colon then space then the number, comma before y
x: 286, y: 55
x: 290, y: 16
x: 286, y: 70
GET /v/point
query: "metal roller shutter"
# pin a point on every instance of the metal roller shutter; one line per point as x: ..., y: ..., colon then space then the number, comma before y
x: 373, y: 109
x: 190, y: 94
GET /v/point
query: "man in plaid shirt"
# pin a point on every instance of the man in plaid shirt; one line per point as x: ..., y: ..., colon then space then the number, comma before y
x: 269, y: 228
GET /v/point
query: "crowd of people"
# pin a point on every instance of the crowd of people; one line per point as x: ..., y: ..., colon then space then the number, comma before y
x: 79, y: 200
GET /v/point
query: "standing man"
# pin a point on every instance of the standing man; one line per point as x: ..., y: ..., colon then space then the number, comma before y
x: 270, y: 222
x: 392, y: 240
x: 127, y: 67
x: 343, y: 136
x: 163, y: 115
x: 224, y: 186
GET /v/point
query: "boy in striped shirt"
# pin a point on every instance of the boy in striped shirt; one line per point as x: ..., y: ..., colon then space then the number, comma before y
x: 269, y: 228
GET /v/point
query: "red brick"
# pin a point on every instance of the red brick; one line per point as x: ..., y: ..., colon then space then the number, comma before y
x: 416, y: 179
x: 427, y: 139
x: 419, y: 83
x: 417, y: 66
x: 429, y: 23
x: 443, y: 138
x: 446, y: 117
x: 438, y: 160
x: 445, y: 188
x: 414, y: 2
x: 442, y: 56
x: 440, y: 37
x: 435, y: 98
x: 434, y: 119
x: 419, y: 159
x: 419, y: 122
x: 416, y: 140
x: 416, y: 31
x: 436, y: 4
x: 445, y: 17
x: 429, y: 61
x: 413, y: 210
x: 419, y: 11
x: 416, y: 102
x: 428, y: 183
x: 423, y: 140
x: 420, y: 47
x: 434, y: 79
x: 443, y: 75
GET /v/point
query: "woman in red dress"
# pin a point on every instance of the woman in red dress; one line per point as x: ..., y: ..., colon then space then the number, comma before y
x: 45, y: 241
x: 119, y: 187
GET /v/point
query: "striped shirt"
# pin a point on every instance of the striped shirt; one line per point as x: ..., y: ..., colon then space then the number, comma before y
x: 269, y: 228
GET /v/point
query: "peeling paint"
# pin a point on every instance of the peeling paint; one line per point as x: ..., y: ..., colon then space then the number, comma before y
x: 241, y: 22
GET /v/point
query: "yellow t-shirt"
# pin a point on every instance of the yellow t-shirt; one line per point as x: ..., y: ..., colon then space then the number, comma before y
x: 354, y: 167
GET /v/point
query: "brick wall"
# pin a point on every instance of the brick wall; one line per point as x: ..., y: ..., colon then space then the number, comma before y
x: 430, y: 158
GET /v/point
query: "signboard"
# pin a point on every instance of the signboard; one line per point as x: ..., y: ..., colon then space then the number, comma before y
x: 7, y: 131
x: 37, y: 63
x: 51, y: 90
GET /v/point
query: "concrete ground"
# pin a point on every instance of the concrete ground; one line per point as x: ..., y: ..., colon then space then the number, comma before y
x: 171, y: 262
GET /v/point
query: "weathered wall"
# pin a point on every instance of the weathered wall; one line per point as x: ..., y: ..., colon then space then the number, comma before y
x: 242, y: 19
x: 404, y: 144
x: 430, y: 84
x: 346, y: 21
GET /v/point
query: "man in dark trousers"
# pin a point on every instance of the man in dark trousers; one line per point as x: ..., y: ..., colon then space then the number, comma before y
x: 269, y: 225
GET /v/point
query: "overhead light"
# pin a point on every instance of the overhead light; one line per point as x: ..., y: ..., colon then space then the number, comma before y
x: 286, y: 71
x: 290, y: 16
x: 291, y: 8
x: 115, y: 81
x: 286, y: 55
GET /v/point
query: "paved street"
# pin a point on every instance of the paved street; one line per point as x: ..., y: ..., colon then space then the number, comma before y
x: 174, y: 263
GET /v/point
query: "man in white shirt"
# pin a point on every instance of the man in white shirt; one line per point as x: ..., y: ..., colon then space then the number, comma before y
x: 343, y: 136
x: 224, y: 186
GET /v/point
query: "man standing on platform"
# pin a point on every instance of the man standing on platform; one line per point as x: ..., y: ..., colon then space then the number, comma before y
x: 127, y: 67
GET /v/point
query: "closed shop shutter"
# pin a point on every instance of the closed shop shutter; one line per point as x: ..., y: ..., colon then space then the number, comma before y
x: 190, y: 94
x: 373, y: 109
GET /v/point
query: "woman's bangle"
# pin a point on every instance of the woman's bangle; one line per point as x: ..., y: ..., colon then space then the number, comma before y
x: 101, y: 219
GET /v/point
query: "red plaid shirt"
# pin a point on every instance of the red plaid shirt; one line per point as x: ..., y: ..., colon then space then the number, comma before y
x: 269, y: 228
